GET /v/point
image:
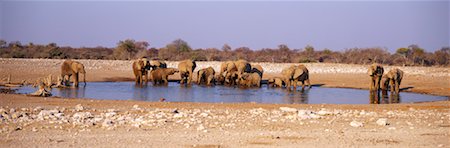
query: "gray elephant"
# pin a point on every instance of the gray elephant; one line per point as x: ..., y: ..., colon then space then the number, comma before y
x: 161, y: 75
x: 186, y: 69
x: 69, y: 68
x: 393, y: 79
x: 293, y: 74
x: 375, y: 72
x: 250, y: 80
x: 206, y: 76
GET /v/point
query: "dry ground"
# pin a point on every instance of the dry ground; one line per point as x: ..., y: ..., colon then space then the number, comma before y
x: 61, y: 122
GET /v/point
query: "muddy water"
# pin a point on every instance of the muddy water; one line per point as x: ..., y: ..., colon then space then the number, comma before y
x: 174, y: 93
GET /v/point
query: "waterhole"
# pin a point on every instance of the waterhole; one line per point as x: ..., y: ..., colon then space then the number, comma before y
x: 217, y: 94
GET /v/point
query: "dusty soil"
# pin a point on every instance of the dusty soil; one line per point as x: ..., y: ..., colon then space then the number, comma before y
x: 64, y: 122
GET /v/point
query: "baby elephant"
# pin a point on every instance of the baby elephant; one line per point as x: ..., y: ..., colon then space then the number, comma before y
x: 160, y: 75
x: 250, y: 80
x: 393, y: 79
x: 276, y: 82
x: 206, y: 76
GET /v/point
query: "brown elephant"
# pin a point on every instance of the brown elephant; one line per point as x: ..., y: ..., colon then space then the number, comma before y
x: 140, y: 67
x: 275, y: 82
x: 219, y: 79
x: 186, y: 69
x: 161, y: 75
x: 242, y: 66
x: 375, y: 72
x: 250, y: 80
x: 155, y: 64
x: 393, y: 79
x: 257, y: 69
x: 293, y: 74
x: 206, y: 76
x: 229, y: 72
x: 69, y: 68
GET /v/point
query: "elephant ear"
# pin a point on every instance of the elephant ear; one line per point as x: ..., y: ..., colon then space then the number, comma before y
x: 297, y: 73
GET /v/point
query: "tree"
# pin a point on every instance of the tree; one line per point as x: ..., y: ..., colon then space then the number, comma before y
x: 226, y: 47
x: 3, y: 43
x: 125, y: 50
x: 180, y: 45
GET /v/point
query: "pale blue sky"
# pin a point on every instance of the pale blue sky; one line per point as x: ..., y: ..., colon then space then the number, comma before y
x: 326, y: 24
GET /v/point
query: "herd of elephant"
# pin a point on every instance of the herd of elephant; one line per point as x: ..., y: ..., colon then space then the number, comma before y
x: 232, y: 73
x: 382, y: 82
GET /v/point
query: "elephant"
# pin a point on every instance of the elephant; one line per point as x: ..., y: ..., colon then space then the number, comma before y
x: 206, y: 76
x: 186, y: 69
x: 250, y: 80
x: 229, y: 70
x: 69, y: 68
x: 393, y: 79
x: 154, y: 64
x: 293, y: 74
x: 275, y: 82
x: 242, y: 66
x: 219, y: 79
x: 257, y: 69
x: 375, y: 72
x: 140, y: 67
x: 161, y: 75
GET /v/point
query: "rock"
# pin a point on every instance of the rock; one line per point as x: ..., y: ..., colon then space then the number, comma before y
x: 36, y: 109
x: 46, y: 114
x: 178, y: 115
x: 204, y: 115
x: 200, y: 127
x: 288, y: 109
x: 110, y: 114
x: 382, y: 122
x: 356, y: 124
x: 34, y: 129
x: 81, y: 116
x: 392, y: 128
x: 324, y: 112
x: 78, y: 107
x: 107, y: 123
x: 136, y: 107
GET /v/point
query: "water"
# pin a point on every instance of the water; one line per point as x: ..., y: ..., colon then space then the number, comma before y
x: 174, y: 93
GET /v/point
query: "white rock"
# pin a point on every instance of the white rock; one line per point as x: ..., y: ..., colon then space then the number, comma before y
x: 324, y: 112
x: 356, y: 124
x: 179, y: 115
x: 382, y: 122
x: 204, y: 115
x: 136, y: 107
x: 78, y: 107
x: 288, y: 109
x: 200, y: 127
x: 110, y: 114
x: 82, y: 115
x: 107, y: 123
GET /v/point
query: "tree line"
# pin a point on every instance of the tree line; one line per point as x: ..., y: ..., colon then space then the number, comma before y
x: 128, y: 49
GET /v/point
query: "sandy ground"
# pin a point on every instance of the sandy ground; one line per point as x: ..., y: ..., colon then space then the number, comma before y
x: 61, y: 122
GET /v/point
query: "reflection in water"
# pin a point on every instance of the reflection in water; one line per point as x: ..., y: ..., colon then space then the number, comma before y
x: 374, y: 97
x: 385, y: 99
x: 174, y: 93
x: 296, y: 97
x: 72, y: 92
x: 140, y: 92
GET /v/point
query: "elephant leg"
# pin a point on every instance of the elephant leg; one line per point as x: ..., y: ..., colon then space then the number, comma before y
x: 371, y: 84
x: 295, y: 84
x: 397, y: 87
x: 392, y: 85
x: 309, y: 83
x: 75, y: 77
